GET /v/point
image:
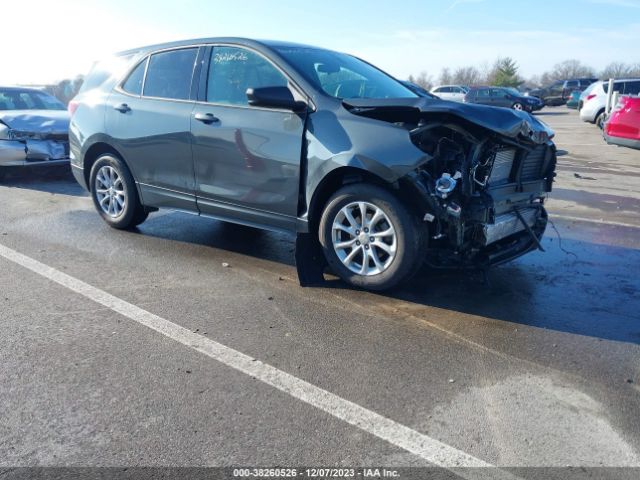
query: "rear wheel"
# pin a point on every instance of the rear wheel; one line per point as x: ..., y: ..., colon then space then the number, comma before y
x: 114, y: 193
x: 600, y: 119
x: 369, y: 238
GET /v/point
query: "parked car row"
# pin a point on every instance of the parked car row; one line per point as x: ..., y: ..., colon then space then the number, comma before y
x: 559, y: 92
x: 593, y: 101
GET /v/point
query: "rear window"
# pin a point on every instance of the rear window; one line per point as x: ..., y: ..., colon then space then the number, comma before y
x: 169, y: 74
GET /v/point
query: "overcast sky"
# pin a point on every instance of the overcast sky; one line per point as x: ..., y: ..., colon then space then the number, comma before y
x: 48, y: 40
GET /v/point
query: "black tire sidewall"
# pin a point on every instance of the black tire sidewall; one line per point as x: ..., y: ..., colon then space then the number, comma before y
x: 132, y: 207
x: 407, y: 235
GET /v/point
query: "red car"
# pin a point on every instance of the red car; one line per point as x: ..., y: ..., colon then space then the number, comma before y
x: 623, y: 126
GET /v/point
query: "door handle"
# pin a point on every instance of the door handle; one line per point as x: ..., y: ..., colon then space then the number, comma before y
x: 206, y: 118
x: 122, y: 108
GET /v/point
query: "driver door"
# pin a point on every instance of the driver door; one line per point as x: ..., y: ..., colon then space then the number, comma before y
x: 246, y: 158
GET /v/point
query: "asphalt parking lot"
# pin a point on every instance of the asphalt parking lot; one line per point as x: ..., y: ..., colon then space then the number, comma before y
x: 123, y: 348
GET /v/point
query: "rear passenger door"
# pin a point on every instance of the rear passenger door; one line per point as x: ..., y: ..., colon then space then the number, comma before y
x: 149, y: 118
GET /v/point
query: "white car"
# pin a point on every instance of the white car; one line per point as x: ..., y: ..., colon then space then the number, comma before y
x: 450, y: 92
x: 593, y: 100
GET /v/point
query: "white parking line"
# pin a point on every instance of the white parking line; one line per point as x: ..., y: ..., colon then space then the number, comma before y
x: 591, y: 220
x: 428, y: 448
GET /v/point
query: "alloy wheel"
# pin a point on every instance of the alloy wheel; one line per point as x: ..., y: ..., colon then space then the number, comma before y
x: 110, y: 191
x: 364, y: 238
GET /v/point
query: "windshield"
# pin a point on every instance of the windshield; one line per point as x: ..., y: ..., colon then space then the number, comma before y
x: 513, y: 91
x: 343, y: 76
x: 28, y: 100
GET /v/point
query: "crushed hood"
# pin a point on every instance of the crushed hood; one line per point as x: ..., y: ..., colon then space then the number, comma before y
x: 36, y: 121
x: 504, y: 121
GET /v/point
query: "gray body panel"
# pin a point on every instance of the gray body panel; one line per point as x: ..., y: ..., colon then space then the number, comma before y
x: 155, y: 139
x: 249, y: 159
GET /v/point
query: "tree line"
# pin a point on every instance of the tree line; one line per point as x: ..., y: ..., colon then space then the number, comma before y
x: 504, y: 72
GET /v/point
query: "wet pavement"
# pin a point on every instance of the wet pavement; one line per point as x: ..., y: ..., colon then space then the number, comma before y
x: 539, y: 367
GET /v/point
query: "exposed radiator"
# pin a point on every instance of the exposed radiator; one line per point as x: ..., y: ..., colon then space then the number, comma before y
x: 502, y: 164
x: 508, y: 224
x: 532, y: 164
x: 530, y: 169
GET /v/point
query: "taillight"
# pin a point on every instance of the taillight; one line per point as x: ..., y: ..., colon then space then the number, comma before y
x: 589, y: 97
x: 72, y: 107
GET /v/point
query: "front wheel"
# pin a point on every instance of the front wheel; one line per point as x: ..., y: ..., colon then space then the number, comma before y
x: 518, y: 106
x: 114, y: 193
x: 369, y: 238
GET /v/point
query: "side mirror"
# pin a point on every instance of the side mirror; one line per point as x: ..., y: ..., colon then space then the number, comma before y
x: 274, y: 97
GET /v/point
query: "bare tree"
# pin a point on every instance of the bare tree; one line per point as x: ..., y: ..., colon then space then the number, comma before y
x: 568, y: 69
x: 467, y: 76
x: 620, y: 70
x: 445, y: 77
x: 422, y: 80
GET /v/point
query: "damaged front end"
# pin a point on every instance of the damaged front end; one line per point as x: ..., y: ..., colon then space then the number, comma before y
x: 25, y: 146
x: 482, y: 191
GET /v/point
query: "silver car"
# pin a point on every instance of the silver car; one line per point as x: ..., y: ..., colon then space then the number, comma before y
x: 34, y: 128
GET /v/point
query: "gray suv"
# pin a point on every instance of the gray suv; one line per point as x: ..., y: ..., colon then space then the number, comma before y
x: 283, y: 136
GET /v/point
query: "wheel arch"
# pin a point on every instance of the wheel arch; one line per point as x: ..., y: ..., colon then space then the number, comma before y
x: 347, y: 175
x: 94, y: 152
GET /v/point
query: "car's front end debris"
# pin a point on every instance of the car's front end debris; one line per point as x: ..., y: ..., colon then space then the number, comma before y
x: 483, y: 189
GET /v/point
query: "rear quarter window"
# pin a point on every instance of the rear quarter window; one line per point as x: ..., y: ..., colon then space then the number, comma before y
x: 133, y: 83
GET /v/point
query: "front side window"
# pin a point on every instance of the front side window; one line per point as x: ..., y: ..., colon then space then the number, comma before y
x: 343, y: 76
x: 233, y: 70
x: 169, y: 74
x: 133, y: 83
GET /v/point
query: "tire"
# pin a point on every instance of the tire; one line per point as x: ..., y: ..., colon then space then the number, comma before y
x: 390, y: 259
x: 600, y: 118
x: 517, y: 106
x: 114, y: 193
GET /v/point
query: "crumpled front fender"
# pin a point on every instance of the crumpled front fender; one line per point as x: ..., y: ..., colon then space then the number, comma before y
x: 382, y: 149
